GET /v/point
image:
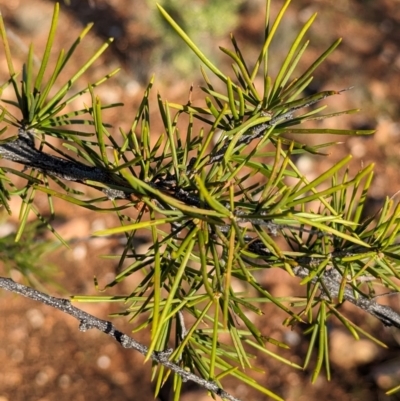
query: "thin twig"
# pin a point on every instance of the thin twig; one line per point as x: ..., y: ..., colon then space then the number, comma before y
x: 331, y: 280
x: 260, y: 130
x: 88, y: 321
x: 22, y: 151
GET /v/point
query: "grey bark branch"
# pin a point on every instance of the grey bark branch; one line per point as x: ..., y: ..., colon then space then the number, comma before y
x: 88, y: 321
x: 259, y: 130
x: 331, y: 280
x: 22, y: 151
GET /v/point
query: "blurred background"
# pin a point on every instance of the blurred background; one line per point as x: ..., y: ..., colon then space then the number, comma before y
x: 44, y: 355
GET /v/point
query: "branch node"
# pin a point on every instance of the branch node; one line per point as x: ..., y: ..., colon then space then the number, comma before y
x: 84, y: 325
x: 163, y: 356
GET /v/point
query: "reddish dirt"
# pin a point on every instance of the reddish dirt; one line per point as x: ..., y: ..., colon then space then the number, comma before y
x: 44, y: 355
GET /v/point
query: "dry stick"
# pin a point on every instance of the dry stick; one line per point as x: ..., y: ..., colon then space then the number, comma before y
x: 88, y: 321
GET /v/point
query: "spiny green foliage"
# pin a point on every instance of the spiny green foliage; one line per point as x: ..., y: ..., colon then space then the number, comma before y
x: 214, y: 195
x: 201, y: 21
x: 26, y: 255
